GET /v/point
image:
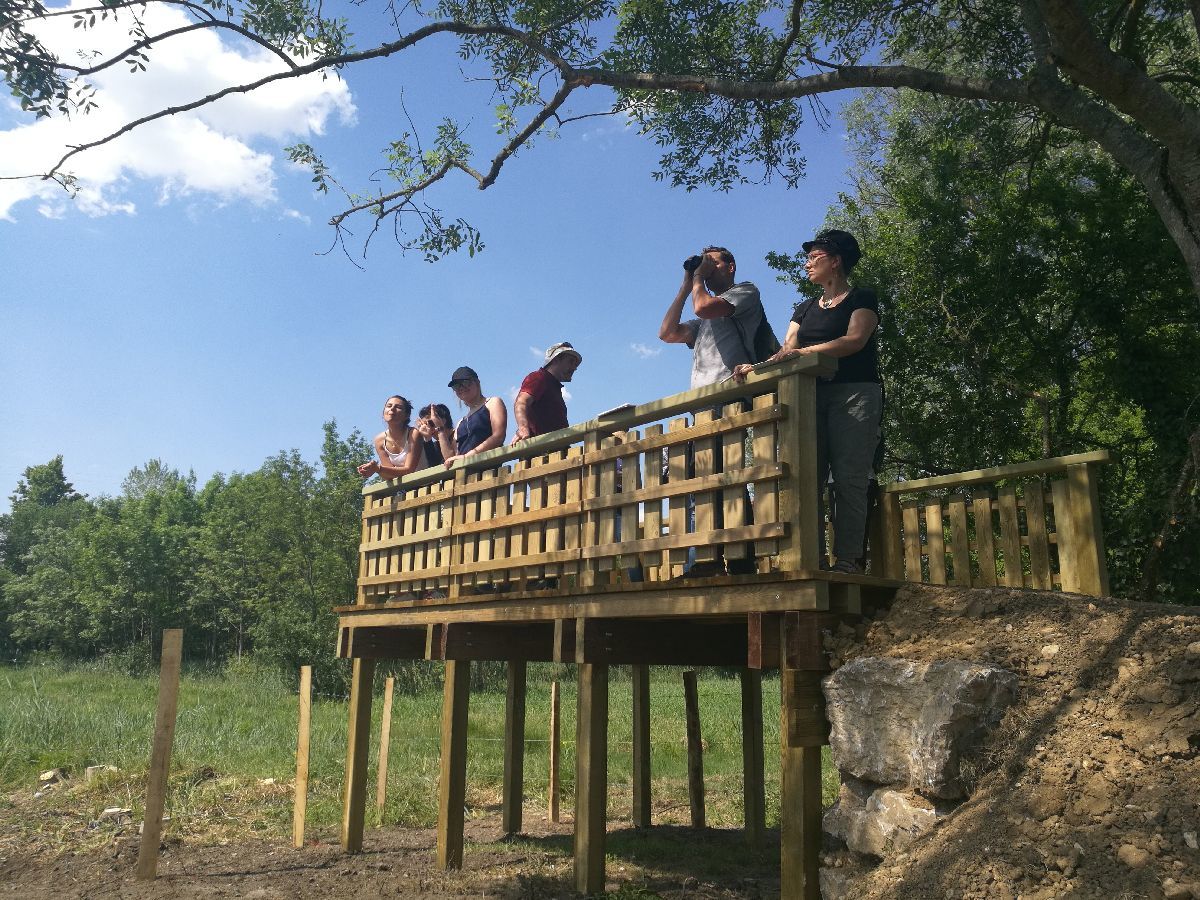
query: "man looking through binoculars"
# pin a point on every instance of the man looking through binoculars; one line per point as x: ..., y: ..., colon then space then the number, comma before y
x: 727, y: 316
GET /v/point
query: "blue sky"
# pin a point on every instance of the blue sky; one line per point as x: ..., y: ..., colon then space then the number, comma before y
x: 183, y: 311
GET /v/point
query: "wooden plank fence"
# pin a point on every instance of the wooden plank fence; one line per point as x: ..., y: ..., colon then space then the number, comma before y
x: 1034, y: 525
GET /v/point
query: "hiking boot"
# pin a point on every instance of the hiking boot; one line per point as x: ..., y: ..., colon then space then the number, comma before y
x: 847, y: 567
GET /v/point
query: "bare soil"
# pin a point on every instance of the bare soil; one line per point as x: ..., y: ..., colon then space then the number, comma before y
x: 1090, y: 787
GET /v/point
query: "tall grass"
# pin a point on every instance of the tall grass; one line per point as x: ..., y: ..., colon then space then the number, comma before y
x: 235, y: 742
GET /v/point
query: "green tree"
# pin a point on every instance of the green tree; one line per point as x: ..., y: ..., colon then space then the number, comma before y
x: 43, y: 497
x: 43, y: 509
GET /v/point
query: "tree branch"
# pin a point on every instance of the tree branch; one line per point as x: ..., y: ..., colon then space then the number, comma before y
x: 341, y: 59
x: 559, y: 98
x: 1090, y: 62
x: 1006, y: 90
x: 195, y: 8
x: 1129, y: 34
x: 790, y: 38
x: 174, y: 32
x: 405, y: 195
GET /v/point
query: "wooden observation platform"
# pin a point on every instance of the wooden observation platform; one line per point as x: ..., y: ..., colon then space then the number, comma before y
x: 572, y: 547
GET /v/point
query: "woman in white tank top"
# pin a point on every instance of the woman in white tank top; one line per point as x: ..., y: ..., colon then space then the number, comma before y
x: 398, y: 446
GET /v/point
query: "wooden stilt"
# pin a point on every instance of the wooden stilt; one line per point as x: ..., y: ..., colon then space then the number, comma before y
x: 300, y: 806
x: 358, y: 743
x: 453, y: 788
x: 555, y: 756
x: 591, y: 777
x: 641, y: 746
x: 160, y: 752
x: 514, y: 748
x: 695, y: 748
x: 385, y: 740
x: 753, y: 785
x: 803, y: 730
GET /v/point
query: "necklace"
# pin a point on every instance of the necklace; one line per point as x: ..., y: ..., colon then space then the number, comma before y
x: 830, y: 302
x: 387, y: 436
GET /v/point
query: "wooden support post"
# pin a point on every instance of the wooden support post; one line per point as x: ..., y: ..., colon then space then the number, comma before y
x: 514, y: 748
x: 301, y: 802
x: 803, y: 729
x: 800, y: 824
x: 753, y: 783
x: 695, y: 749
x: 385, y: 739
x: 358, y: 743
x: 555, y: 756
x: 160, y: 752
x: 452, y: 793
x: 591, y: 777
x: 640, y: 676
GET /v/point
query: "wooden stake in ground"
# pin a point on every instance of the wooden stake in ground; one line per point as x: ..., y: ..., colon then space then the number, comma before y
x: 301, y: 801
x: 385, y: 738
x: 640, y: 676
x: 695, y: 748
x: 555, y: 734
x: 160, y: 754
x: 514, y: 748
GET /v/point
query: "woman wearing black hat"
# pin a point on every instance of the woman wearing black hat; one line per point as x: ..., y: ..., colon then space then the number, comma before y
x: 482, y: 428
x: 842, y: 323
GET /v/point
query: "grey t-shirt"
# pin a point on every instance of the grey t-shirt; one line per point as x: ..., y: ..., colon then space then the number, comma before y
x: 717, y: 344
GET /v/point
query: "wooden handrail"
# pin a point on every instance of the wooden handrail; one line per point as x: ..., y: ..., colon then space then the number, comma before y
x: 687, y: 401
x: 995, y: 473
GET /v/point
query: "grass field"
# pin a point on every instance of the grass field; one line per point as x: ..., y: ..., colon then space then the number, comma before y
x: 235, y: 740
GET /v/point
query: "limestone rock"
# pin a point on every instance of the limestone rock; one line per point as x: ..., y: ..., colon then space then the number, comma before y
x: 905, y: 723
x: 881, y: 820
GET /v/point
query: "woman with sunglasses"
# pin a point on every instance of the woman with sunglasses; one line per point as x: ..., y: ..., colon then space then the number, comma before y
x: 841, y: 323
x: 482, y: 428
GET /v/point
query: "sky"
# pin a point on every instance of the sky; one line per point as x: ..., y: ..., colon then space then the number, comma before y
x: 183, y: 306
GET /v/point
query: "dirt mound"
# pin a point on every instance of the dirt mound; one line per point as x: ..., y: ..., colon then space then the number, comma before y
x: 1090, y: 786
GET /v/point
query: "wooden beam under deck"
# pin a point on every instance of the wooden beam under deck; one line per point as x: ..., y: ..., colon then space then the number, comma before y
x: 730, y: 595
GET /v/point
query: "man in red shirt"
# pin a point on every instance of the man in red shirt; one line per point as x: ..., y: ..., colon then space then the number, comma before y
x: 539, y: 407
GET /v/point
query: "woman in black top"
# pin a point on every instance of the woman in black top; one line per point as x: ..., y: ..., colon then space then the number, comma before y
x: 842, y: 323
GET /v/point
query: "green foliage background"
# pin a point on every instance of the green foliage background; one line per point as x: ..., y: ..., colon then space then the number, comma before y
x: 248, y: 564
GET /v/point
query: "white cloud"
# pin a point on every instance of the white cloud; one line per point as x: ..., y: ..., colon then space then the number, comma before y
x: 206, y: 152
x: 538, y: 354
x: 566, y: 394
x: 645, y: 352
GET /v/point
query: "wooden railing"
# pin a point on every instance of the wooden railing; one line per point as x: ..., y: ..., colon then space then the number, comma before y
x: 720, y: 472
x: 717, y: 471
x: 1034, y: 524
